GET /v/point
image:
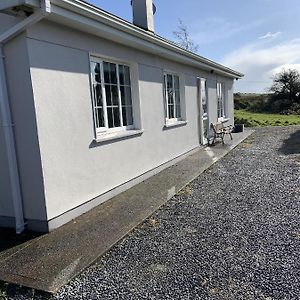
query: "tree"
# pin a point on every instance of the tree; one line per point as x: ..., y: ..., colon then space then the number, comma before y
x: 285, y: 90
x: 287, y: 84
x: 183, y: 38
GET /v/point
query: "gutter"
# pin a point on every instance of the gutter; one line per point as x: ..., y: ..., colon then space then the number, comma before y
x: 6, y: 116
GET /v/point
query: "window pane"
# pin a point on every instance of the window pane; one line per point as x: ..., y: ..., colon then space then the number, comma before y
x: 99, y: 117
x: 204, y: 105
x: 116, y: 112
x: 113, y: 73
x: 121, y: 74
x: 122, y: 90
x: 127, y: 75
x: 106, y: 72
x: 170, y: 97
x: 98, y: 95
x: 169, y: 82
x: 127, y: 116
x: 115, y: 95
x: 220, y: 93
x: 126, y: 98
x: 95, y: 68
x: 171, y: 111
x: 110, y: 118
x: 124, y: 116
x: 108, y: 95
x: 177, y: 102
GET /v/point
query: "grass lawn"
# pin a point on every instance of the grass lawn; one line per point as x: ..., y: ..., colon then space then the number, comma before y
x: 257, y: 119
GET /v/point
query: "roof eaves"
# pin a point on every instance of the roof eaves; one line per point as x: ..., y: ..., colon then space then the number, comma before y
x: 7, y: 4
x: 124, y: 25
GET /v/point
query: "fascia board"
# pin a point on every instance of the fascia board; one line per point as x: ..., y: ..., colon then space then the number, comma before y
x: 6, y: 4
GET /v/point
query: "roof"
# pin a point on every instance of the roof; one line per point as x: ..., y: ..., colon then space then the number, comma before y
x: 91, y: 18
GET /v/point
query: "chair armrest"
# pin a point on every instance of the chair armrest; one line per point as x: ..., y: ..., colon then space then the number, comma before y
x: 229, y: 127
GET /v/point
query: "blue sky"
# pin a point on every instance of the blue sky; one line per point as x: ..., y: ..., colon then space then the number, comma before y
x: 257, y: 37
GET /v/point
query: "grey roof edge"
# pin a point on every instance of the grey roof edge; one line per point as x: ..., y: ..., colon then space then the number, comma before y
x: 89, y: 10
x: 123, y: 25
x: 6, y: 4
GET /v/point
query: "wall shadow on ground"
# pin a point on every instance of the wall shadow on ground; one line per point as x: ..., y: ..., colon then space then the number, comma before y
x: 9, y: 239
x: 291, y: 145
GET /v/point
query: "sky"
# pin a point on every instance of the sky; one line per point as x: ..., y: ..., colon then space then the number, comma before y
x: 256, y: 37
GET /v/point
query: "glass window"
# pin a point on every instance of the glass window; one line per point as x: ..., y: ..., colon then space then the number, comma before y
x: 172, y: 96
x: 204, y: 97
x: 112, y: 97
x: 220, y: 100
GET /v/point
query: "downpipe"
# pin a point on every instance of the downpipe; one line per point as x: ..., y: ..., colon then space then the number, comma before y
x: 5, y: 112
x: 10, y: 148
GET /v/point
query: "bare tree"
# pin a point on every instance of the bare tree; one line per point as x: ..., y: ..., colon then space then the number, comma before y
x: 183, y: 38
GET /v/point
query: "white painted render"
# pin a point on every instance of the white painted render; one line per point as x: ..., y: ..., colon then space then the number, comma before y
x: 76, y: 170
x: 6, y: 202
x: 61, y: 167
x: 5, y: 4
x: 6, y: 36
x: 7, y: 21
x: 23, y: 115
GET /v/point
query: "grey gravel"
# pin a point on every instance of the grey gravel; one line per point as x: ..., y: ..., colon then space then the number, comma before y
x: 233, y: 233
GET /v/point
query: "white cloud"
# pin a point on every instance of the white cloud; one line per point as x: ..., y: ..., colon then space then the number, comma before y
x: 260, y: 61
x: 270, y: 35
x: 285, y: 67
x: 215, y: 29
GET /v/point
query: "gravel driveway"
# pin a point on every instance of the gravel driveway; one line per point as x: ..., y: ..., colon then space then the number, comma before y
x: 234, y: 233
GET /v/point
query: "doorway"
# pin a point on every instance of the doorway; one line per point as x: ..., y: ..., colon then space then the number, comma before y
x: 203, y: 111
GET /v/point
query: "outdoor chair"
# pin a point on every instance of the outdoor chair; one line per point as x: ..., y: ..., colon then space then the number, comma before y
x: 220, y: 131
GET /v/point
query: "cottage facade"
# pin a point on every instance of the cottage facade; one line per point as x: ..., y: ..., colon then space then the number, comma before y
x: 96, y: 105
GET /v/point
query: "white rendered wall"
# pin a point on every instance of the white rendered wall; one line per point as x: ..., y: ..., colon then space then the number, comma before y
x: 60, y: 160
x: 6, y: 204
x: 75, y: 170
x: 24, y: 120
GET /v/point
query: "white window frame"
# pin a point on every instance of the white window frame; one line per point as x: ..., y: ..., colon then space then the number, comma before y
x: 170, y: 121
x: 221, y: 114
x: 106, y: 129
x: 204, y: 96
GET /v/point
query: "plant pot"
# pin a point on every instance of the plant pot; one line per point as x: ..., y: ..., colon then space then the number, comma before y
x: 238, y: 128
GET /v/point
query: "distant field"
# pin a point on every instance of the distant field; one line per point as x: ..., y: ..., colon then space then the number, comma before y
x: 258, y: 119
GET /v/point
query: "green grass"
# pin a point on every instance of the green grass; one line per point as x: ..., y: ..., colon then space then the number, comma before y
x: 258, y: 119
x: 3, y: 288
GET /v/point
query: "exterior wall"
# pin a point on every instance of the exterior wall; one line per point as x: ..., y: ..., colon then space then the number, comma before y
x: 75, y: 169
x: 61, y: 168
x: 24, y: 119
x: 6, y: 202
x: 229, y: 107
x: 7, y: 21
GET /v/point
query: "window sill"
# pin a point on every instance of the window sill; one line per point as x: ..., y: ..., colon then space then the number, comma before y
x: 223, y: 120
x: 107, y: 137
x: 175, y: 124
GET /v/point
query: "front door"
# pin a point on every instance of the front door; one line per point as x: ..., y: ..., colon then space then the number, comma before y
x: 203, y: 107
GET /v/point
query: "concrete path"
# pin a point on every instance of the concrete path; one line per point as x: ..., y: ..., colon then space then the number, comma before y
x: 50, y: 261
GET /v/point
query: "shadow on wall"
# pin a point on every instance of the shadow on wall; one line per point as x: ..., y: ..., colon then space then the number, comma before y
x: 291, y: 145
x: 9, y: 239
